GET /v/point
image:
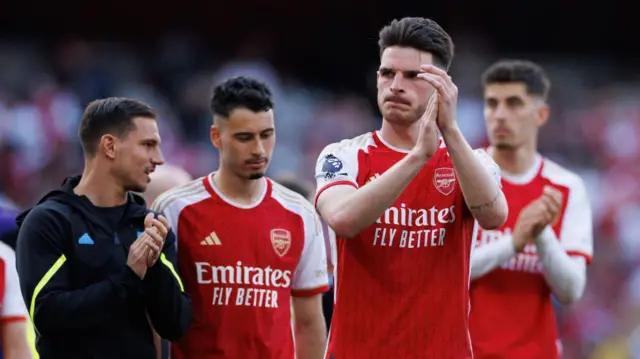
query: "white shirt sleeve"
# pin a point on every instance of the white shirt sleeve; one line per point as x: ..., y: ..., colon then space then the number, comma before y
x: 13, y: 306
x: 565, y: 275
x: 336, y: 165
x: 311, y: 275
x: 490, y: 256
x: 576, y: 234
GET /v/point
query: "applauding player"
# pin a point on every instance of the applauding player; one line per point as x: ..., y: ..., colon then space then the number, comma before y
x: 544, y: 246
x: 247, y: 246
x: 403, y: 202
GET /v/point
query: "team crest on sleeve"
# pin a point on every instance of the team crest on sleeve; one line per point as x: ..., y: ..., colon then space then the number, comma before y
x: 331, y: 166
x: 281, y: 241
x: 444, y: 180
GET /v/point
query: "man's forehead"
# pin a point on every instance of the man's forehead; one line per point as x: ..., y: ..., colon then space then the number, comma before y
x: 506, y: 90
x: 404, y: 59
x: 146, y: 128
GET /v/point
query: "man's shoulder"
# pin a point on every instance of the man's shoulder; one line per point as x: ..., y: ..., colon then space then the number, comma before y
x: 290, y: 200
x: 561, y: 175
x: 353, y: 145
x: 181, y: 196
x: 50, y: 210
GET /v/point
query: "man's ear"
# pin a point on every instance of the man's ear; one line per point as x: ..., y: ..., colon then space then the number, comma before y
x: 542, y: 114
x: 109, y: 145
x: 214, y: 133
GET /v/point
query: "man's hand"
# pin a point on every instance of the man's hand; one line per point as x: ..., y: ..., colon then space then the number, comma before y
x: 146, y: 249
x: 161, y: 227
x: 447, y: 97
x: 427, y: 142
x: 536, y: 216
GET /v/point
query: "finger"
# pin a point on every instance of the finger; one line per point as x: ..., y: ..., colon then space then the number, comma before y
x: 159, y: 242
x: 154, y: 249
x: 153, y: 235
x: 164, y: 221
x: 437, y: 71
x: 148, y: 220
x: 432, y: 107
x: 442, y: 88
x: 162, y: 229
x: 434, y: 80
x: 554, y: 193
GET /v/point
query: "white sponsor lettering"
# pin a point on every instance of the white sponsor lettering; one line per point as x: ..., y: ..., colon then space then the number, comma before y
x: 242, y: 285
x: 410, y: 217
x: 422, y: 227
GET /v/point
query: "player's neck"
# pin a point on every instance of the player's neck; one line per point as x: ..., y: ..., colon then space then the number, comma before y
x: 400, y: 136
x: 237, y: 189
x: 515, y: 161
x: 101, y: 189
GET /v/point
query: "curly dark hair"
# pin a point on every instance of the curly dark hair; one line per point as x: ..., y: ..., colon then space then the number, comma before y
x: 240, y: 92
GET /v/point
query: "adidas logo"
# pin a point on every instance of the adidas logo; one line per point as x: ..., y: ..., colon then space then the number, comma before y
x: 211, y: 240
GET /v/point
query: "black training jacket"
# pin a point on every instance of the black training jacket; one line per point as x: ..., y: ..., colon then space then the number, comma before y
x: 84, y: 300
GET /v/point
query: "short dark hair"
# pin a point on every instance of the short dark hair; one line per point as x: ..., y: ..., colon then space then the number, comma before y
x: 421, y: 34
x: 240, y: 92
x: 112, y: 115
x: 508, y: 71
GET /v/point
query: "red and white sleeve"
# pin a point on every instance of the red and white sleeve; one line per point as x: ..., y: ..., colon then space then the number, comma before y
x: 336, y: 165
x: 311, y: 277
x: 576, y: 234
x: 13, y: 306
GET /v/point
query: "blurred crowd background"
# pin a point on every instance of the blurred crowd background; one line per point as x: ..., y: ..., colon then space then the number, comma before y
x: 320, y: 62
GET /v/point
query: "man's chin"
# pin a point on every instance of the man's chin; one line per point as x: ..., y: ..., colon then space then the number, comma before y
x: 503, y: 146
x: 396, y: 116
x: 138, y: 187
x: 255, y: 175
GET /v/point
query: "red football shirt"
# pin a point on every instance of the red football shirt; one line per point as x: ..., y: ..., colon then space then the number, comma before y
x: 402, y: 284
x: 512, y: 313
x: 241, y: 265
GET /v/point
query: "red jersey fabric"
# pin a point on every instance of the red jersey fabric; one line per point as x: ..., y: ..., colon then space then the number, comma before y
x: 241, y: 265
x: 401, y: 285
x: 512, y: 313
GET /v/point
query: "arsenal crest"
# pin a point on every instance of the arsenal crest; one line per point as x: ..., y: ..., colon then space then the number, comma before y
x: 444, y: 179
x: 281, y: 241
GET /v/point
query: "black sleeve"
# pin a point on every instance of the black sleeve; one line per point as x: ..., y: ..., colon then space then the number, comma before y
x: 168, y: 305
x: 44, y: 279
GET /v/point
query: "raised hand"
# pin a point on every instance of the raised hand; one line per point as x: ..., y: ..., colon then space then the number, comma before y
x: 447, y: 95
x: 536, y: 216
x: 427, y: 142
x: 160, y: 227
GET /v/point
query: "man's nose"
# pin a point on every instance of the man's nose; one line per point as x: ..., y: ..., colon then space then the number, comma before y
x: 501, y: 112
x: 158, y: 158
x: 397, y: 83
x: 258, y: 148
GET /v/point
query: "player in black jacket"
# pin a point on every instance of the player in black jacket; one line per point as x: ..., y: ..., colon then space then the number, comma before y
x: 96, y: 267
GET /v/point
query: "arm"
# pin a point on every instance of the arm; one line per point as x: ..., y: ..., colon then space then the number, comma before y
x: 44, y: 273
x: 480, y: 186
x: 564, y: 261
x: 14, y: 314
x: 310, y: 280
x: 168, y: 305
x: 310, y: 329
x: 565, y: 275
x: 348, y: 209
x: 490, y: 256
x: 14, y: 340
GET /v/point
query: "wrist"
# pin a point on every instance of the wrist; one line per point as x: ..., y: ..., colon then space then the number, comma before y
x: 450, y: 131
x: 416, y: 158
x: 518, y: 243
